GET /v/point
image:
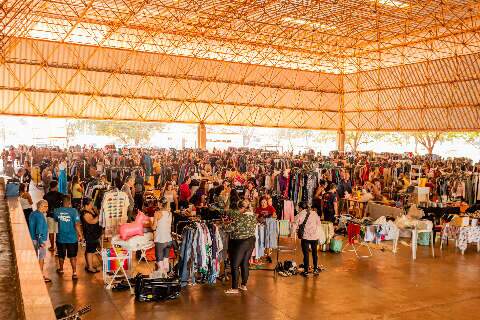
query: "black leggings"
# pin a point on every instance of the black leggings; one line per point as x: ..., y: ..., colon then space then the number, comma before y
x: 240, y: 251
x: 27, y: 213
x: 314, y: 246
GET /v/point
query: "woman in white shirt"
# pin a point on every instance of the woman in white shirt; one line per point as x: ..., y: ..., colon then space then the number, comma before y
x: 309, y: 224
x: 171, y: 196
x: 162, y: 224
x: 25, y: 201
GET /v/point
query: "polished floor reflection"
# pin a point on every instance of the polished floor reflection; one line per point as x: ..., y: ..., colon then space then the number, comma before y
x: 381, y: 287
x: 385, y: 286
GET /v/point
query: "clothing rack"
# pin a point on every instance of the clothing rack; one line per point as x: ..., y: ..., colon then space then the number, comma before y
x: 285, y: 249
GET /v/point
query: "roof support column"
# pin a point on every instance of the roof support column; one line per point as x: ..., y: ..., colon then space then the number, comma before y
x: 341, y: 114
x: 202, y: 136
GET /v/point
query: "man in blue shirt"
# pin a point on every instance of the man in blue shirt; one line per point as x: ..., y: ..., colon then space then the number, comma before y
x: 37, y: 224
x: 69, y: 233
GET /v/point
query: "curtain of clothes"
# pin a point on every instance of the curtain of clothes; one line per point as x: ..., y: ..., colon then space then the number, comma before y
x: 201, y: 253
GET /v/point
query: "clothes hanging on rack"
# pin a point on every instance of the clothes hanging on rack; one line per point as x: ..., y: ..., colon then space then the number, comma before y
x: 62, y: 179
x: 200, y: 252
x: 113, y: 212
x: 288, y: 211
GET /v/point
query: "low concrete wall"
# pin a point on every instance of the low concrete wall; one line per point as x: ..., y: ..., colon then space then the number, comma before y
x: 35, y: 303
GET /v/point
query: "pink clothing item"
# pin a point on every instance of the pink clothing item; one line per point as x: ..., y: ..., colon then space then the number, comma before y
x: 288, y: 211
x: 312, y: 227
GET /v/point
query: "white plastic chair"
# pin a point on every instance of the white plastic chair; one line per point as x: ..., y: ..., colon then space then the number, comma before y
x: 415, y: 233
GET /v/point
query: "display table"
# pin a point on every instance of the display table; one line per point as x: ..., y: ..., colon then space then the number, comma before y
x: 438, y: 212
x: 376, y: 210
x: 358, y: 206
x: 462, y: 236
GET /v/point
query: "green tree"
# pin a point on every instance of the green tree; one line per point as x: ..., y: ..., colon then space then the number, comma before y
x: 429, y: 139
x: 127, y: 132
x: 354, y: 139
x: 324, y: 136
x: 472, y: 138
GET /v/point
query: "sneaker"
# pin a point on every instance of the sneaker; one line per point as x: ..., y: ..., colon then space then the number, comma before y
x: 316, y: 271
x: 304, y: 274
x: 232, y: 291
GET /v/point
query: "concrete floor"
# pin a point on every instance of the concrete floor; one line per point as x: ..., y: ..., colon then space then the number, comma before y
x: 385, y: 286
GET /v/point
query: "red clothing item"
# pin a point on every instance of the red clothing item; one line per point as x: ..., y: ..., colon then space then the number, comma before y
x: 184, y: 192
x: 267, y: 212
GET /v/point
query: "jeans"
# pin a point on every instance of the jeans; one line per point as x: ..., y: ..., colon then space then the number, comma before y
x: 162, y: 250
x: 260, y: 241
x: 240, y: 251
x: 314, y: 246
x: 271, y: 233
x: 186, y: 251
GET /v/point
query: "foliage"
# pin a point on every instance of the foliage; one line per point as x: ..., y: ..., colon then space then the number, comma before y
x: 354, y: 139
x: 429, y: 139
x: 472, y: 138
x: 127, y: 132
x: 324, y: 136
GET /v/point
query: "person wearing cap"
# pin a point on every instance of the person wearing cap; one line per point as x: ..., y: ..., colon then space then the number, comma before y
x: 308, y: 226
x: 162, y: 225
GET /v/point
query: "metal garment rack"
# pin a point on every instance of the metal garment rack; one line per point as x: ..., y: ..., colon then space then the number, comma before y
x: 285, y: 249
x: 360, y: 244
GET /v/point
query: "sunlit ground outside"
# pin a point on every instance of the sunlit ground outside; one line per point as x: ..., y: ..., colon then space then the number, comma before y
x: 63, y: 132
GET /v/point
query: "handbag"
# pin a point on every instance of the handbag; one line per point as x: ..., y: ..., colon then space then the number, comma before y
x: 301, y: 228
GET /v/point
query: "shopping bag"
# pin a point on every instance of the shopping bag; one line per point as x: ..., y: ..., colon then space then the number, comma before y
x: 336, y: 245
x: 114, y: 264
x: 424, y: 238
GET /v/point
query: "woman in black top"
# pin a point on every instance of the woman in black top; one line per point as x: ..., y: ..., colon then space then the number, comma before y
x: 92, y: 232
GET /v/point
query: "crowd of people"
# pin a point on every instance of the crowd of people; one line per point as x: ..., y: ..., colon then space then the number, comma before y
x: 247, y: 186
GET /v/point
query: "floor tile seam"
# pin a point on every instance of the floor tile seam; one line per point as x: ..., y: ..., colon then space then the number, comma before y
x: 116, y: 308
x: 109, y: 297
x: 433, y: 306
x: 259, y: 297
x: 440, y: 315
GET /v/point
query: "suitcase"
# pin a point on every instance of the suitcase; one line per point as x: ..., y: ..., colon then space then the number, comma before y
x: 147, y: 290
x: 12, y: 189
